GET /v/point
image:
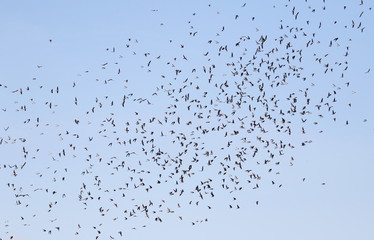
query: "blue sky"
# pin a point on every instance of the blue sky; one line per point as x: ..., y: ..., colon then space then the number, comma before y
x: 97, y: 53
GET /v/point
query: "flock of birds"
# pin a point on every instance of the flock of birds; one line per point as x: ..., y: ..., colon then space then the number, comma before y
x: 221, y: 121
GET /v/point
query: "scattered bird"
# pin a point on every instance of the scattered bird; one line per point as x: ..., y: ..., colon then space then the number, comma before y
x: 221, y: 119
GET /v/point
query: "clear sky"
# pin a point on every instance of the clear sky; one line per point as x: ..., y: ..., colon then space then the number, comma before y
x: 108, y: 105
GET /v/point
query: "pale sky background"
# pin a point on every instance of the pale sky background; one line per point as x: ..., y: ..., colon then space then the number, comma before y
x: 336, y: 200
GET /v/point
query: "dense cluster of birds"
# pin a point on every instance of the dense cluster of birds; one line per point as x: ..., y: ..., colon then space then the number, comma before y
x: 224, y: 118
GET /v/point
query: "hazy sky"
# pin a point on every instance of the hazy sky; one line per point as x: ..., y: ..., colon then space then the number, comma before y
x: 77, y: 61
